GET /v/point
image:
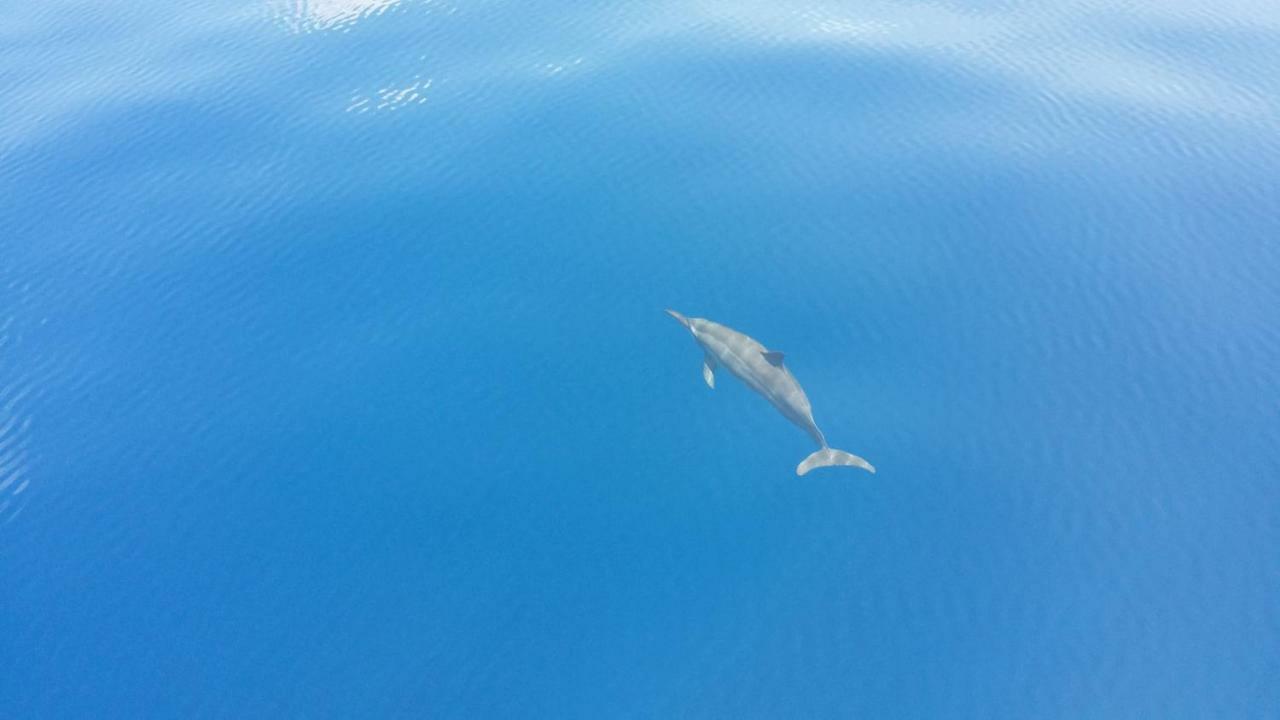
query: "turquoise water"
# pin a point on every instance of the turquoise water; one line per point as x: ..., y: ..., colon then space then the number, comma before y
x: 335, y: 382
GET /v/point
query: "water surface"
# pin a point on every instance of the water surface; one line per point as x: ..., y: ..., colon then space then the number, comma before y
x: 334, y: 378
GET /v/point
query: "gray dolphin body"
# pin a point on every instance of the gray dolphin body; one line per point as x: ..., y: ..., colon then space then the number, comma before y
x: 764, y: 372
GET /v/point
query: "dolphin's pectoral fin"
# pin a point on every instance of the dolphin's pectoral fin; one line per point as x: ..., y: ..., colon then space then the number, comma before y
x: 774, y: 357
x: 709, y: 371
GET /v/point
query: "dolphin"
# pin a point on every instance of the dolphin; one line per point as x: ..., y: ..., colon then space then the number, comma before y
x: 763, y: 371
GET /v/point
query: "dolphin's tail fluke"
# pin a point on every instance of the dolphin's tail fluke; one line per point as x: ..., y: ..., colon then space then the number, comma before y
x: 828, y: 457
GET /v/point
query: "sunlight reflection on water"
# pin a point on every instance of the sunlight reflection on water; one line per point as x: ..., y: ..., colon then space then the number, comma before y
x: 312, y: 15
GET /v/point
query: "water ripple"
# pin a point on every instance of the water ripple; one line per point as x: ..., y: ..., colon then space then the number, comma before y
x: 391, y: 97
x: 15, y: 428
x: 304, y: 16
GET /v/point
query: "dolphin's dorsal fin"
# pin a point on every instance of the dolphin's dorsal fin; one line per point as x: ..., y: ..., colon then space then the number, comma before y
x: 709, y: 371
x: 773, y: 357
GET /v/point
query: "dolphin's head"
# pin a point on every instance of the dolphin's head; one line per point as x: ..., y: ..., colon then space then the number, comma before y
x: 680, y: 319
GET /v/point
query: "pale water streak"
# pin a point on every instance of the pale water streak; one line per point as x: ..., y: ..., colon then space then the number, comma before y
x: 14, y: 432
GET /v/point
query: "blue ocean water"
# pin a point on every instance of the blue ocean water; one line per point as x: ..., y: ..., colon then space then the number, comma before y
x: 335, y: 382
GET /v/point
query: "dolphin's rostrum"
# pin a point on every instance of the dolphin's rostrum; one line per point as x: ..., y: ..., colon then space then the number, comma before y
x: 764, y: 371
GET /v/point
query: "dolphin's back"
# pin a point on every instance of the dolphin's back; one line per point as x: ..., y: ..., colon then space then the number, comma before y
x: 744, y: 356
